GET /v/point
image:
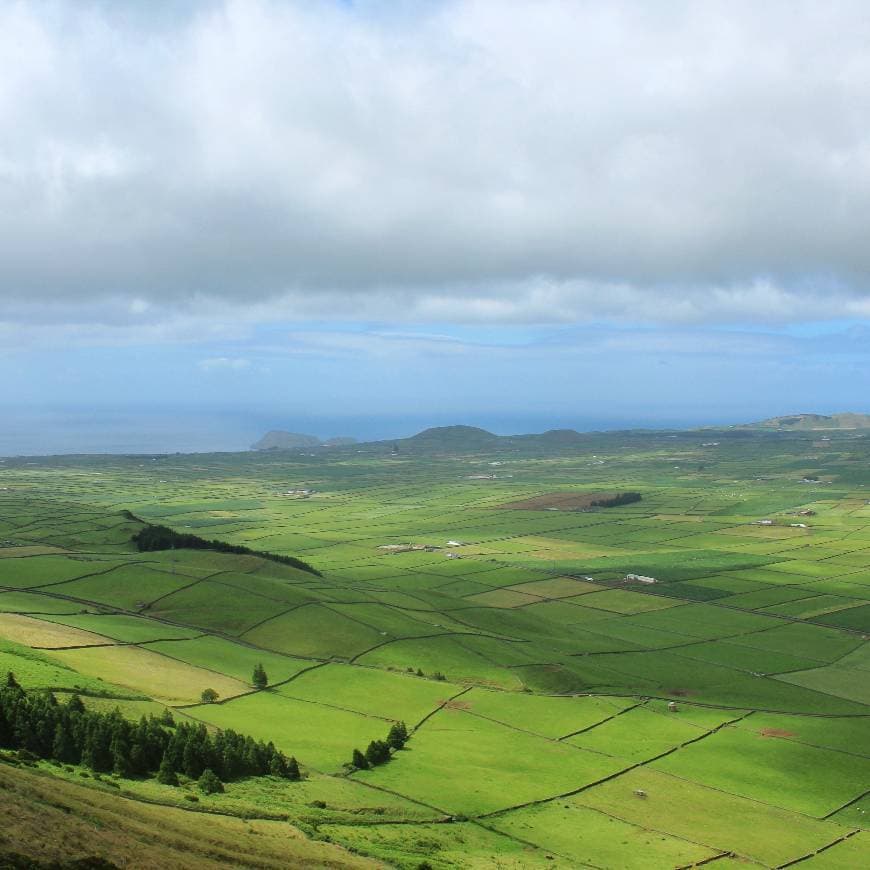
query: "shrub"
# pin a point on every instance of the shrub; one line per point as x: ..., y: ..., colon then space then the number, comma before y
x: 209, y: 782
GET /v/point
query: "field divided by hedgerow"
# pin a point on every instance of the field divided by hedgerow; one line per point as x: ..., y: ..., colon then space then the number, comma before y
x: 532, y: 668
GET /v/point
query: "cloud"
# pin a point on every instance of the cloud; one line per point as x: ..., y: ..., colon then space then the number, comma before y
x: 224, y: 364
x: 551, y: 161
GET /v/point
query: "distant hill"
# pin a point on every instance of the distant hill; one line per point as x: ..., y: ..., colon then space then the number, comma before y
x: 557, y: 437
x: 278, y: 440
x: 451, y: 438
x: 810, y: 422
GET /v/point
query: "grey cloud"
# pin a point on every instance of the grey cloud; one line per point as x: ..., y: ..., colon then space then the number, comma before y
x: 470, y: 161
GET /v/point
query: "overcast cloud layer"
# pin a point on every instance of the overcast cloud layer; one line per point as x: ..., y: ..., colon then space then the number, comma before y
x: 463, y: 161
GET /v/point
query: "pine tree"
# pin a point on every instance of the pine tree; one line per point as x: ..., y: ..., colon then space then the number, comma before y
x: 377, y: 752
x: 209, y: 782
x: 359, y: 760
x: 166, y: 774
x: 63, y: 747
x: 293, y: 771
x: 193, y: 761
x: 398, y: 736
x: 75, y: 705
x: 260, y: 679
x: 278, y: 765
x: 6, y: 732
x: 121, y: 756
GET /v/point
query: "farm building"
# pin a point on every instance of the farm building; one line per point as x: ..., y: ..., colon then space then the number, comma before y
x: 640, y: 578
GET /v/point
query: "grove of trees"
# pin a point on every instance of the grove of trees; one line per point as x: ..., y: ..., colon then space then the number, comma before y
x: 152, y: 538
x: 37, y: 723
x: 380, y: 751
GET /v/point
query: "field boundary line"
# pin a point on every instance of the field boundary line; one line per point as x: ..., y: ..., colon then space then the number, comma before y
x: 292, y: 677
x: 848, y: 803
x: 335, y: 707
x: 262, y: 622
x: 704, y: 861
x: 819, y: 850
x: 534, y: 734
x: 439, y: 708
x: 608, y: 719
x: 612, y: 776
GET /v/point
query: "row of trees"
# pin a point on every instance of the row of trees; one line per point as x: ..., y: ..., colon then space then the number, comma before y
x: 380, y: 751
x: 107, y: 742
x: 616, y: 500
x: 152, y: 538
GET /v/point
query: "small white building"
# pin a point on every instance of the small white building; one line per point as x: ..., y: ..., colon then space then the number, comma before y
x: 640, y: 578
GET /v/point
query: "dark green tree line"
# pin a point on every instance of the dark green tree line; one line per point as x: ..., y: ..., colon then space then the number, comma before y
x: 380, y: 751
x: 107, y: 742
x: 153, y: 538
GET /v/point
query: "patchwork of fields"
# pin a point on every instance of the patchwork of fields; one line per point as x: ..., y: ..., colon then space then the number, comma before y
x: 535, y: 679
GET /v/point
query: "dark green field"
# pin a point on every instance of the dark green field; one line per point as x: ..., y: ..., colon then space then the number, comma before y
x: 534, y: 678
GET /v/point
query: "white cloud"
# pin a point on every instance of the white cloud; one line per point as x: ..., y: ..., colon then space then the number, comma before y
x: 466, y: 161
x: 224, y: 364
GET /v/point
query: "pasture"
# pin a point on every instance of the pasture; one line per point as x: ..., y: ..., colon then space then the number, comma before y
x: 533, y: 673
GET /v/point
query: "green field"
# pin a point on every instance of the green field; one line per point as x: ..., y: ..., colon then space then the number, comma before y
x: 533, y: 675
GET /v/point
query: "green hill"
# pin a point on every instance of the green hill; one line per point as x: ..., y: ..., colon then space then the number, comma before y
x: 452, y: 439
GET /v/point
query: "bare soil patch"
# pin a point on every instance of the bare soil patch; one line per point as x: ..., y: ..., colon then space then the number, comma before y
x: 776, y: 732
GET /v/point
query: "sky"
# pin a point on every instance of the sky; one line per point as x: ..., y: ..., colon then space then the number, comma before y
x: 362, y: 218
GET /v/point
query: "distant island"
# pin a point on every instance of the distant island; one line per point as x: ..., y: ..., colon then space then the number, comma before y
x: 810, y: 422
x: 278, y: 440
x: 472, y: 439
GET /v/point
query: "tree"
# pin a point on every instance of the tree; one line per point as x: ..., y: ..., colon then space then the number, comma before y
x: 166, y: 774
x: 278, y: 765
x: 398, y: 736
x: 166, y: 718
x: 359, y: 760
x: 209, y: 696
x: 209, y: 782
x: 120, y: 749
x: 293, y: 769
x: 377, y: 752
x: 260, y: 679
x: 64, y: 748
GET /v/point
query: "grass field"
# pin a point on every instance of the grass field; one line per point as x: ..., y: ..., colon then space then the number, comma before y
x: 534, y: 678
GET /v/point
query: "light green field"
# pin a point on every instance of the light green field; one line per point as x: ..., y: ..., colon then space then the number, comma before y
x: 320, y: 735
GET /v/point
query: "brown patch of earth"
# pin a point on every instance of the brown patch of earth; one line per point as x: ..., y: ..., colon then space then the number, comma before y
x: 776, y: 732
